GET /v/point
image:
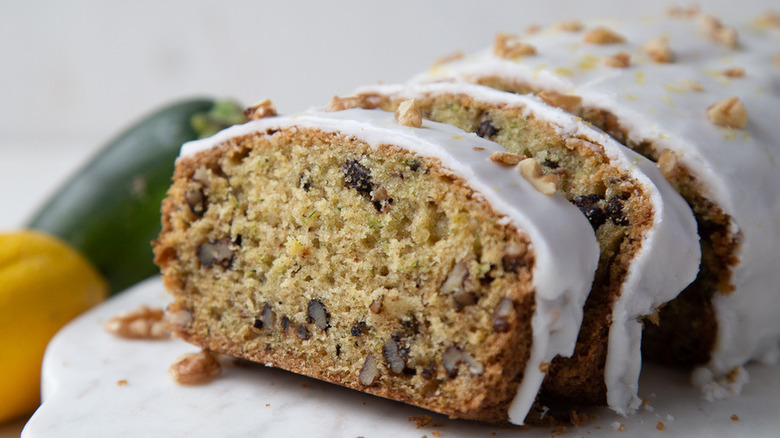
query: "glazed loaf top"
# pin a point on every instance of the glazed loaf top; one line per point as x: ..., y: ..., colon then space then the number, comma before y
x: 565, y: 248
x: 698, y: 87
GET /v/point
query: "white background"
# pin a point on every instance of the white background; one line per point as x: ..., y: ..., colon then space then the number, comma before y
x: 75, y: 73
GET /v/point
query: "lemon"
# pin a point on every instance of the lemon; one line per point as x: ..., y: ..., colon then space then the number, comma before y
x: 44, y: 283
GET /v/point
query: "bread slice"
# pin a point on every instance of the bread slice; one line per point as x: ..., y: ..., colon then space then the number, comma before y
x: 649, y: 245
x: 697, y: 95
x: 400, y: 261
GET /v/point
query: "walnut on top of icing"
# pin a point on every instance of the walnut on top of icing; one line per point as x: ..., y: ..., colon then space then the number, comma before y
x: 682, y: 11
x: 692, y: 85
x: 777, y: 60
x: 718, y: 31
x: 730, y: 112
x: 618, y: 60
x: 668, y: 163
x: 510, y: 47
x: 448, y: 58
x: 533, y: 29
x: 506, y: 158
x: 768, y: 19
x: 658, y: 49
x: 262, y: 109
x: 409, y: 114
x: 569, y: 26
x: 734, y: 72
x: 364, y: 101
x: 531, y: 171
x: 602, y: 35
x: 567, y: 102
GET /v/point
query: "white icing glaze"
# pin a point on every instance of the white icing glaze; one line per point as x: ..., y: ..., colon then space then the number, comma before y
x: 559, y: 234
x: 738, y: 168
x: 669, y: 257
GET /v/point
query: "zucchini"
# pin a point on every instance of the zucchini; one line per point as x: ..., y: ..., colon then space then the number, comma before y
x: 110, y: 208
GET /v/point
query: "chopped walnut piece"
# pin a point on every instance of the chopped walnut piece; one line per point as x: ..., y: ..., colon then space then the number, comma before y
x: 533, y: 29
x: 658, y: 49
x: 768, y: 19
x: 448, y: 58
x: 693, y: 85
x: 683, y: 12
x: 260, y: 110
x: 343, y: 103
x: 376, y: 305
x: 510, y: 47
x: 717, y: 31
x: 668, y: 163
x: 777, y: 60
x: 567, y: 102
x: 409, y: 114
x: 369, y: 371
x: 578, y: 418
x: 531, y: 171
x: 727, y: 36
x: 618, y: 60
x: 421, y: 421
x: 194, y: 368
x: 729, y: 112
x: 506, y: 158
x: 734, y: 72
x: 569, y: 26
x: 142, y: 323
x: 602, y: 35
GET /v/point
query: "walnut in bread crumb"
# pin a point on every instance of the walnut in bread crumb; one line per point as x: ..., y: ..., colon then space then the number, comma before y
x: 658, y: 49
x: 510, y: 47
x: 195, y: 368
x: 567, y: 102
x: 506, y: 158
x: 142, y: 323
x: 262, y: 109
x: 602, y: 35
x: 618, y: 60
x: 730, y: 112
x: 409, y: 114
x: 531, y: 171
